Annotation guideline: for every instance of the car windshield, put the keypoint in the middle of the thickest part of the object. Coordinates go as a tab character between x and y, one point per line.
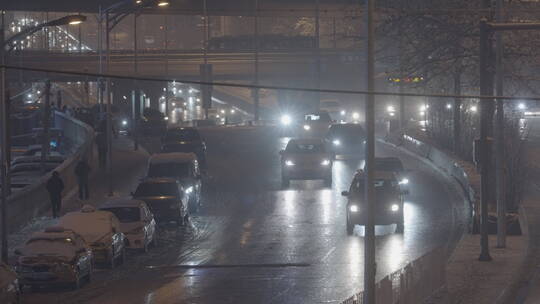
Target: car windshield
178	170
126	214
55	246
156	189
380	185
182	135
305	148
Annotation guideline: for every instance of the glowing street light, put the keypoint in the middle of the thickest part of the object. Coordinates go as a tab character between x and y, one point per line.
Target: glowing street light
522	106
163	3
448	106
474	109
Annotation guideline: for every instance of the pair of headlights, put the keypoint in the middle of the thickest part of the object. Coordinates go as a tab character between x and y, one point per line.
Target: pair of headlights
324	163
393	208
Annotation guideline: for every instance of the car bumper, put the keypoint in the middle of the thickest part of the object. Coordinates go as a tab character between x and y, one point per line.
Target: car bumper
45	278
348	149
381	218
135	241
307	173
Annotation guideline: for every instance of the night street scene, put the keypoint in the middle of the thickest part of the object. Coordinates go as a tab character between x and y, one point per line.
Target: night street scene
270	151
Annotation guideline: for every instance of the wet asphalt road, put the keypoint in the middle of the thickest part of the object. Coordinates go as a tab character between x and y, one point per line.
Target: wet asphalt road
261	244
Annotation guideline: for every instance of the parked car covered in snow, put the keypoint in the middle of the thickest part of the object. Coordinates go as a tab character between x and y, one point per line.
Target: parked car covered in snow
9	285
136	221
100	229
55	256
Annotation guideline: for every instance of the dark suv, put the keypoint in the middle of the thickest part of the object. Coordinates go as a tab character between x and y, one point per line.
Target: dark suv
165	197
185	140
388	204
343	139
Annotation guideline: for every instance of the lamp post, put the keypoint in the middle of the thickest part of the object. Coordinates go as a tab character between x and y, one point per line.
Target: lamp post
4	165
113	15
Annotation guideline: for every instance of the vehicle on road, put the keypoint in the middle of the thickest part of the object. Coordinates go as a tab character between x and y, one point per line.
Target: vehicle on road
306	159
55	159
315	125
185	140
136	221
388	204
166	198
9	285
183	167
54	256
100	229
346	139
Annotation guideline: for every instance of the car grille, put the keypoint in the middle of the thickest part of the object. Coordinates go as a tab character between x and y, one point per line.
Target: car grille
41	268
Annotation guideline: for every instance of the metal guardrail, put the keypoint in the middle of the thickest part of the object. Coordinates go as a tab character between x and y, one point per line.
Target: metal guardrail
32	201
411	285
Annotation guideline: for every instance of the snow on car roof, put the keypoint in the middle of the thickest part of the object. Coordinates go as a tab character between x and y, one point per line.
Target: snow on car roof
175	157
91	225
121	202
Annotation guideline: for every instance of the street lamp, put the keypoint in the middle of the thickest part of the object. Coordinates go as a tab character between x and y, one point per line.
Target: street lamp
71	19
163	3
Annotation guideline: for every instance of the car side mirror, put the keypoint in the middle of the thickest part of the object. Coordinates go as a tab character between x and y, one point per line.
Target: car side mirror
345	193
404	192
17	251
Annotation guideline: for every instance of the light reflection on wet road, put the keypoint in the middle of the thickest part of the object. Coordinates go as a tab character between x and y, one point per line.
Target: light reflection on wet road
270	245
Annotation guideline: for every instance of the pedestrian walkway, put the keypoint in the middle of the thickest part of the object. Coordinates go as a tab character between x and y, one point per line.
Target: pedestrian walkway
128	167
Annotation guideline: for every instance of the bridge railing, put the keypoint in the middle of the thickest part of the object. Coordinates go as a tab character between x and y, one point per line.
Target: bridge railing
33	200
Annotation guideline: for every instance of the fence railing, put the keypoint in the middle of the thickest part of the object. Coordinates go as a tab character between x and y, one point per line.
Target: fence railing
33	200
412	284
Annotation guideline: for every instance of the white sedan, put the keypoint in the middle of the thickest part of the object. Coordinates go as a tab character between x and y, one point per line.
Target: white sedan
136	221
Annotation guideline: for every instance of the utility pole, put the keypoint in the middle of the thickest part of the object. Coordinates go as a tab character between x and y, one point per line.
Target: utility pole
136	98
256	96
499	135
45	141
457	109
3	138
317	53
369	240
109	109
486	128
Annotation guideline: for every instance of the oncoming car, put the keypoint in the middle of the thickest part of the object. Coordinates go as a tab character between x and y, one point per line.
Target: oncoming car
388	201
346	139
306	159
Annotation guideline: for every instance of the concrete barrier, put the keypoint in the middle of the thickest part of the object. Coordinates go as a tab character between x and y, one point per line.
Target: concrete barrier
32	201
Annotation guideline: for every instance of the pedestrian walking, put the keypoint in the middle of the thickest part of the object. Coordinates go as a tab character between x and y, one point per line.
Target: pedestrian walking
55	185
82	171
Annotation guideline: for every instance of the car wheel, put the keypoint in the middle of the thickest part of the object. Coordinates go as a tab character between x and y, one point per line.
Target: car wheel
285	182
350	227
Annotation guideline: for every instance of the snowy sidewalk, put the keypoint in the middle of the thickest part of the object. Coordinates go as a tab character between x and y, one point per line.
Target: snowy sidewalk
128	167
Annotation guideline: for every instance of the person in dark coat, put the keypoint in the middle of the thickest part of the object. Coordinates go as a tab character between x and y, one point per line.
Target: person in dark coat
55	185
82	170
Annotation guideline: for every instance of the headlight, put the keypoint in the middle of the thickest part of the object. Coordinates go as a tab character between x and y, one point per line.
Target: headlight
286	120
394	207
189	190
353	208
124	122
166	117
336	142
355	115
343	113
307	127
289	163
404	181
325	162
